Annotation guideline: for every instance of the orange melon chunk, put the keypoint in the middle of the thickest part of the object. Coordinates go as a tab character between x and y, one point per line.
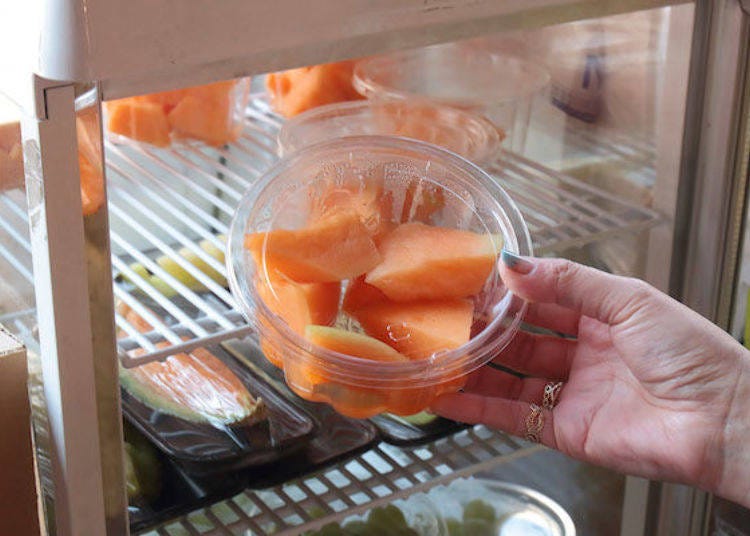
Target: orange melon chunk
360	295
422	262
296	90
92	186
351	343
335	248
141	121
418	330
300	304
207	120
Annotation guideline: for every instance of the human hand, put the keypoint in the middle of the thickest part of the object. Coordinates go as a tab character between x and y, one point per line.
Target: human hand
650	387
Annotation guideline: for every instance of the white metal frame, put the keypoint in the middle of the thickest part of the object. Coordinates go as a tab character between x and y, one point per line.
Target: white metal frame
88	473
77	326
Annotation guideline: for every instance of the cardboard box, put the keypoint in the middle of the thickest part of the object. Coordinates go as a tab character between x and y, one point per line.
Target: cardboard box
19	507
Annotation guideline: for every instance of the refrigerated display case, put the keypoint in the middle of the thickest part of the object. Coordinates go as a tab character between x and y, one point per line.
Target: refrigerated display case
634	159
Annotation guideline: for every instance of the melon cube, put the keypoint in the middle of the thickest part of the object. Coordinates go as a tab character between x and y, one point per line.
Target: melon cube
333	249
206	120
138	120
423	262
420	329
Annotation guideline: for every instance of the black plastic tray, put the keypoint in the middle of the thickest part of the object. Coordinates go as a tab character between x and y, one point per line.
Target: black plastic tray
392	429
338	437
404	434
181	494
202	449
184	491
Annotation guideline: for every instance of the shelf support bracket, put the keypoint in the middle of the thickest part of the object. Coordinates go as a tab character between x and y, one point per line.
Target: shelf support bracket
73	286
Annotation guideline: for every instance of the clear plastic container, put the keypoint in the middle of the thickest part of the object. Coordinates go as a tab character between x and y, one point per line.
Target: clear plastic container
464	133
466	507
400	170
212	114
501	87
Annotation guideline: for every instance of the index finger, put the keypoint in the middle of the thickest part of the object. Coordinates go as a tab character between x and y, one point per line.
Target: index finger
590	292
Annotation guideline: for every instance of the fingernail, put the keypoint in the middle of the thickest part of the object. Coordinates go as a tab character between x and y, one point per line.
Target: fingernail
518	264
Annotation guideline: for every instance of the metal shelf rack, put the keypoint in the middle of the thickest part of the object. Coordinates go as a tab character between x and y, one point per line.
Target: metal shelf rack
380	476
162	201
165	200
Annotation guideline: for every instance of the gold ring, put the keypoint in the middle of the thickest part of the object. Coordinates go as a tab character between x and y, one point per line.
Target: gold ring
551	394
534	424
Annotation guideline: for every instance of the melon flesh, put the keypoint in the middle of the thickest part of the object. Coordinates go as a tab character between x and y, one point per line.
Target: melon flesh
196	387
202	112
360	295
141	121
364	199
351	343
300	304
422	262
92	186
206	120
90	161
420	329
336	248
296	90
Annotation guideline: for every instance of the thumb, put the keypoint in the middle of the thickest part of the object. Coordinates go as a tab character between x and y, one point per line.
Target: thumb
590	292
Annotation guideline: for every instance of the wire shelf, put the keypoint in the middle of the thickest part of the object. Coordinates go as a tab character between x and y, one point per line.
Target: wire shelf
379	476
169	209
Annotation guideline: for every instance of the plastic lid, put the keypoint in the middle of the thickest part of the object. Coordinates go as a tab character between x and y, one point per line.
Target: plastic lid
473	201
452	73
464	133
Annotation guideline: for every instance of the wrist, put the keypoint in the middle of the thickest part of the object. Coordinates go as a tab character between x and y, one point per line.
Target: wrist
735	474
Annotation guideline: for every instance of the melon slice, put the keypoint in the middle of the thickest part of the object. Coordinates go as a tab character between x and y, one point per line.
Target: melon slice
196	387
422	262
300	304
335	248
296	90
351	343
167	99
206	120
141	121
359	295
92	186
418	330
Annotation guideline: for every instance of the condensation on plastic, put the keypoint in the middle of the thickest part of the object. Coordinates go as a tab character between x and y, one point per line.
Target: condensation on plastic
462	132
211	113
472	200
197	385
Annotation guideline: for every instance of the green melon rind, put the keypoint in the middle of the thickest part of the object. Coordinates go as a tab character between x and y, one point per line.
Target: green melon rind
253	413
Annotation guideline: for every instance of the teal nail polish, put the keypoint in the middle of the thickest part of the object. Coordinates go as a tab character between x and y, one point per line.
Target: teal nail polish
516	263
